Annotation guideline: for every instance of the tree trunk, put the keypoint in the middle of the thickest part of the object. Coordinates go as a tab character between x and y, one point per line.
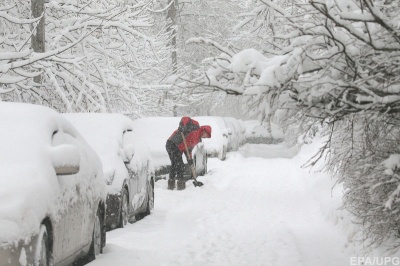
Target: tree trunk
38	38
172	28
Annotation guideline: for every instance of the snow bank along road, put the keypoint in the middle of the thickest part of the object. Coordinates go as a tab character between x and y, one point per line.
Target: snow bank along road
258	207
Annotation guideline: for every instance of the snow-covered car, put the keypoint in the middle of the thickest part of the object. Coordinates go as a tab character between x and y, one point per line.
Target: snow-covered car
127	165
237	131
52	191
217	145
156	130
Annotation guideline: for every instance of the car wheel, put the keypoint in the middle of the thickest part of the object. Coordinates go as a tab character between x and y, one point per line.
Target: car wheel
42	256
97	246
123	219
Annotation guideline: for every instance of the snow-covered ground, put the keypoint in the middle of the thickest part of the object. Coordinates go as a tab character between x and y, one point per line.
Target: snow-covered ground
259	207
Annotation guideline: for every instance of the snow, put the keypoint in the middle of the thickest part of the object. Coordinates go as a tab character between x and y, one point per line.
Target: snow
22	259
105	134
251	60
33	141
391	163
218	141
254	128
65	155
258	207
157	130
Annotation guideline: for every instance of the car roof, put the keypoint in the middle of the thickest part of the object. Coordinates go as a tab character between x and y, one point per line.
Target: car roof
27	129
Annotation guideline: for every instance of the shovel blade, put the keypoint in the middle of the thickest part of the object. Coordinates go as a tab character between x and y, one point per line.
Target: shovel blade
197	183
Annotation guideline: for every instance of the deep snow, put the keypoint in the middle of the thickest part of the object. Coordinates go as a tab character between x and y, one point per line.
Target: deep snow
259	207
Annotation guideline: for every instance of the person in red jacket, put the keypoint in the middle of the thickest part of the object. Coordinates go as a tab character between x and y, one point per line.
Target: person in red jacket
175	147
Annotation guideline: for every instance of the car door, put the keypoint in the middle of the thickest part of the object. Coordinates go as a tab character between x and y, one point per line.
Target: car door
70	232
137	171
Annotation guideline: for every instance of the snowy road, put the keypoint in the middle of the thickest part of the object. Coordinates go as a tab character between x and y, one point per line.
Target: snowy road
256	208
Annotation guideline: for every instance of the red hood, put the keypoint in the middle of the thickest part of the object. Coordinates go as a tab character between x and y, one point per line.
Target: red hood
206	129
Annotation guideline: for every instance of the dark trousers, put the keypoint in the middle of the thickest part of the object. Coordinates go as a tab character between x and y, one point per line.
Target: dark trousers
177	166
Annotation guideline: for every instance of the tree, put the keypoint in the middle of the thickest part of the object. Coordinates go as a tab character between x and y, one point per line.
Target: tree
199	19
38	38
172	28
101	56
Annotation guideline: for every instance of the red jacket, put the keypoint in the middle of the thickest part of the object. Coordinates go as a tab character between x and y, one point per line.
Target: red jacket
193	138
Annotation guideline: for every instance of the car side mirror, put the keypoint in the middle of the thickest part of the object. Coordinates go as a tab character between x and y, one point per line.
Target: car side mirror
127	153
65	159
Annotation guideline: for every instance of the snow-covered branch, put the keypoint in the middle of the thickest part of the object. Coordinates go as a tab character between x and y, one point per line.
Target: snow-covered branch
94	51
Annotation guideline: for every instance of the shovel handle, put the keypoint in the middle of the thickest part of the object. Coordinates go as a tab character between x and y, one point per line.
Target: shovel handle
188	156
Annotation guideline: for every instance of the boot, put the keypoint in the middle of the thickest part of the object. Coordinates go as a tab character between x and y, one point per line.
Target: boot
171	184
181	185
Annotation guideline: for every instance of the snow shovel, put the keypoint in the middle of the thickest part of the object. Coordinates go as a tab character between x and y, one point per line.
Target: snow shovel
195	182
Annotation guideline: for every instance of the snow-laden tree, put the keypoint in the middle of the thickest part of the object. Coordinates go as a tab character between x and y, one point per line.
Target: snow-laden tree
337	62
100	55
213	20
